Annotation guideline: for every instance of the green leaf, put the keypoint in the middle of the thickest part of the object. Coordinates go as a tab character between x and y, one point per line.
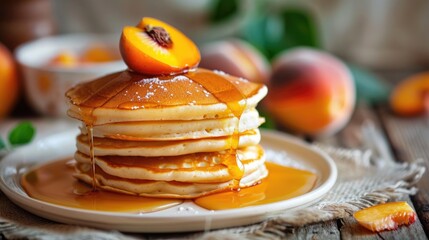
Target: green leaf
369	88
2	144
255	33
272	34
223	9
300	28
269	121
22	133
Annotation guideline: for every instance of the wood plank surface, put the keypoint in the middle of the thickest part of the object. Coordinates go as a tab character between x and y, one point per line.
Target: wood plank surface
365	130
410	141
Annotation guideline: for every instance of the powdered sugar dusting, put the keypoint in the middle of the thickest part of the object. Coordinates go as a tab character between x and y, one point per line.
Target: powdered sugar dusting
219	72
156	84
206	93
180	78
149	94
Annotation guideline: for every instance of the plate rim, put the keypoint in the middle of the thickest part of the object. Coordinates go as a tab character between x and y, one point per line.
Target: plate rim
260	210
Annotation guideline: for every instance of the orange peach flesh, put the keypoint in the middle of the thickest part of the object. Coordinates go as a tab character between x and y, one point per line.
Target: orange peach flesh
411	96
65	59
97	54
142	54
387	216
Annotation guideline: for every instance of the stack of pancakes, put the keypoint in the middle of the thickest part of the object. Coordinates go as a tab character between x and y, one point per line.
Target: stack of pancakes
179	136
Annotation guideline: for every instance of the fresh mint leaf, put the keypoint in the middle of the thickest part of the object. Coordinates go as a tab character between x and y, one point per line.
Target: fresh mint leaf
22	133
269	121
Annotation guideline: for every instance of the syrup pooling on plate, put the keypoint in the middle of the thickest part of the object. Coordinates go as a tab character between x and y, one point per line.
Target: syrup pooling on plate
54	183
281	184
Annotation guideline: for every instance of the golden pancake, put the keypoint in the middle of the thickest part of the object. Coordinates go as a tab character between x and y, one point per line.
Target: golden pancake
108	146
196	167
177	130
171	189
130	97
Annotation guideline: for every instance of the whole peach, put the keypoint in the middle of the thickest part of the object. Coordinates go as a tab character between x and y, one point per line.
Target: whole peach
8	81
310	92
235	57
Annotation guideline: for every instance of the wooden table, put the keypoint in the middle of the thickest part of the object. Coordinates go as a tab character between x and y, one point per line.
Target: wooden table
389	136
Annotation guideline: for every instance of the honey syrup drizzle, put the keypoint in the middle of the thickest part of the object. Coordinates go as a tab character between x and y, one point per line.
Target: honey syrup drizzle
89	118
90	130
226	92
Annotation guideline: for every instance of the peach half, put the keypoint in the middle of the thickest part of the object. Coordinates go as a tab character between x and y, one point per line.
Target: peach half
411	96
236	57
310	92
155	48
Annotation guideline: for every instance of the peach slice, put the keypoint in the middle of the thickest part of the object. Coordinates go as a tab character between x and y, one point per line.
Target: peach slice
387	216
154	47
411	96
65	59
98	54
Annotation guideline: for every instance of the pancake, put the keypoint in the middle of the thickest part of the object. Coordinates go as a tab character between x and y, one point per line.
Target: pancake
109	146
198	167
180	136
129	97
166	189
177	130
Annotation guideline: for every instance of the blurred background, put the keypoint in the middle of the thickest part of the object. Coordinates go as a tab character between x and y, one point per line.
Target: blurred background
378	43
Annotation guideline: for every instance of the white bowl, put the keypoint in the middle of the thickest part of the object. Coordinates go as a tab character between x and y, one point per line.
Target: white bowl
45	85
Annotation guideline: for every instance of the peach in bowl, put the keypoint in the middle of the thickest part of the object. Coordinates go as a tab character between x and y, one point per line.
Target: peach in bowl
50	66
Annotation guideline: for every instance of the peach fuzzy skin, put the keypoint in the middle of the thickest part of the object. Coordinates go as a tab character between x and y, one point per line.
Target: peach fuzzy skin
411	96
387	216
237	58
310	92
9	86
143	54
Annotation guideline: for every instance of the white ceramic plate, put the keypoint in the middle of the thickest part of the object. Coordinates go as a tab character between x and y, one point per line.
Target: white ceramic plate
184	217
